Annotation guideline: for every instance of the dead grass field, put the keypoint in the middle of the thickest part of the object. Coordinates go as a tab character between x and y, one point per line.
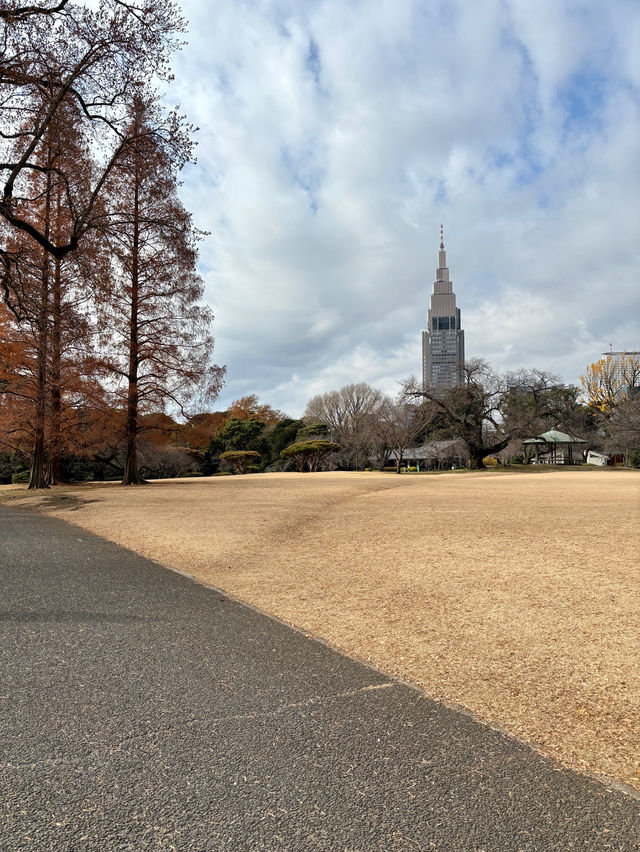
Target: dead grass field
513	595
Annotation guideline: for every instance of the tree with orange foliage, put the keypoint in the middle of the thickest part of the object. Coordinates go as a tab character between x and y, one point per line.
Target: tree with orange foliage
53	333
158	344
249	408
16	388
199	429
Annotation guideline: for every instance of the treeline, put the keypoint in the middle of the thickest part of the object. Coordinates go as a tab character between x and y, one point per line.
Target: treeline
358	427
101	322
168	448
487	416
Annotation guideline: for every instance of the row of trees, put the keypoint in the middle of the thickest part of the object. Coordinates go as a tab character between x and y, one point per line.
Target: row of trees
101	319
368	425
254	437
489	413
248	437
359	426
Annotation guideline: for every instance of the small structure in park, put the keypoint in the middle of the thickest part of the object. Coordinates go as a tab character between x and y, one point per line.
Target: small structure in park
435	455
599	459
554	447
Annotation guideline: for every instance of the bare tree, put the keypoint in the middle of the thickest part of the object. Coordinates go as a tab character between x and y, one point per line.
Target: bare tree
490	408
349	414
163	461
624	429
398	426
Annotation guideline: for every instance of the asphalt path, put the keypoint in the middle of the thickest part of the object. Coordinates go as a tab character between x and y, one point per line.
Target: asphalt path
143	711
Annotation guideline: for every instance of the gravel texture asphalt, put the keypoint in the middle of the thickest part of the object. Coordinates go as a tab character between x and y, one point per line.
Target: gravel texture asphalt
143	711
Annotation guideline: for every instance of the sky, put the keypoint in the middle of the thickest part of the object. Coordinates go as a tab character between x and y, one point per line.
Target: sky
335	136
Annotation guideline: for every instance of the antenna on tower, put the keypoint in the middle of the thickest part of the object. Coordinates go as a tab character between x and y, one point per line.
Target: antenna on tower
441	237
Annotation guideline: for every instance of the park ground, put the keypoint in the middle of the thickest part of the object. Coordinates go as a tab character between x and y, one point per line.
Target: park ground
513	595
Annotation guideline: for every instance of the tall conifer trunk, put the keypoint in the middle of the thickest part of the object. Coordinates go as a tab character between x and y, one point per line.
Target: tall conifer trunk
38	476
131	474
55	476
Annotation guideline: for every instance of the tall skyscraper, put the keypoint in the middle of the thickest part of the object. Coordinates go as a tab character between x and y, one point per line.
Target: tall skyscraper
443	338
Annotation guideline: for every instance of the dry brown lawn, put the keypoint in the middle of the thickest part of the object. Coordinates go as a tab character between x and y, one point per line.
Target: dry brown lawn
513	595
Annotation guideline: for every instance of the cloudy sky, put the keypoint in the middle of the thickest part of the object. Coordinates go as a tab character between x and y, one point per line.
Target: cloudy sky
337	135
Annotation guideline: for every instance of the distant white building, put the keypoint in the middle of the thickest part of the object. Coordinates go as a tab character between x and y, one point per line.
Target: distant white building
624	367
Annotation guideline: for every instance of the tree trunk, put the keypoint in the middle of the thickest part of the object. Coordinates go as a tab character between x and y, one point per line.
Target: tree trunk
38	475
476	455
55	380
55	477
131	473
478	451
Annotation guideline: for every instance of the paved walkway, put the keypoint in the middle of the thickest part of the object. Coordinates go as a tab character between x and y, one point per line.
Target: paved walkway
142	711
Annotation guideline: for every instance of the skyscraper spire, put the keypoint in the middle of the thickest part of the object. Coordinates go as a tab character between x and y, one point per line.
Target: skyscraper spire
443	338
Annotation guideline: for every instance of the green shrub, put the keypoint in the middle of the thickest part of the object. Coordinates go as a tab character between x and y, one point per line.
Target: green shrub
18	478
191	473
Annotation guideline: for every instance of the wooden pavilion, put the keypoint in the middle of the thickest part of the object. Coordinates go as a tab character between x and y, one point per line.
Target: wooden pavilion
554	447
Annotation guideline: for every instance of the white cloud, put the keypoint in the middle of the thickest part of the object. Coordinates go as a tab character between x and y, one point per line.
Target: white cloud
336	136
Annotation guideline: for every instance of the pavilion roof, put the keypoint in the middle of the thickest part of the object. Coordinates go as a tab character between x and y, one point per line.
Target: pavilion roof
553	436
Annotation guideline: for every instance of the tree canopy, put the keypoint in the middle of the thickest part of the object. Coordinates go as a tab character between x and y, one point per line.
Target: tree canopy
240	459
307	455
491	408
70	59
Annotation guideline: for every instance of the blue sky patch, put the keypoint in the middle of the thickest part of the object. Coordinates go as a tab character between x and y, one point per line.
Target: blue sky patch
304	173
581	100
313	61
